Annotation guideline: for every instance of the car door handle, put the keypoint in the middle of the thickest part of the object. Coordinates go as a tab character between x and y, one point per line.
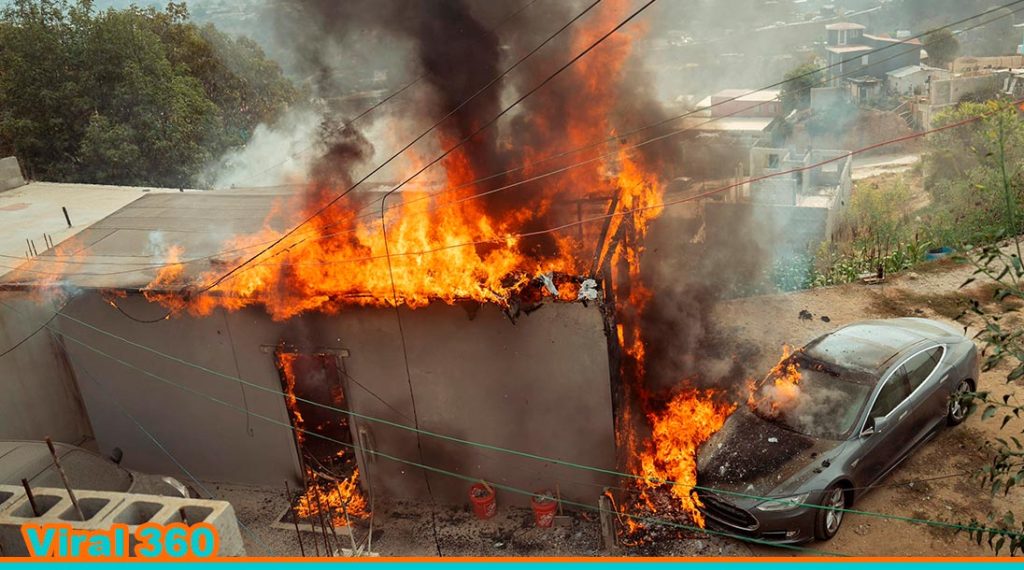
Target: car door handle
902	416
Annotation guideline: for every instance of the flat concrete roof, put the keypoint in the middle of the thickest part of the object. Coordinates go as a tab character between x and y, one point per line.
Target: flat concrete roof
763	95
129	232
848	49
844	26
27	212
909	41
728	124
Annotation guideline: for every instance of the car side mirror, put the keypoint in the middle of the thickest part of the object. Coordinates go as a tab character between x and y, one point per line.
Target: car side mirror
116	455
869	428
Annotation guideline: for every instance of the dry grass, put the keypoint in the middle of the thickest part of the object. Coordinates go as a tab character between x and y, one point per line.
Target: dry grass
950	304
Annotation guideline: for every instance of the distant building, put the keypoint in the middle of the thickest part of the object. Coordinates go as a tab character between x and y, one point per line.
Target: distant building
853	53
914	79
796	209
766	103
725	126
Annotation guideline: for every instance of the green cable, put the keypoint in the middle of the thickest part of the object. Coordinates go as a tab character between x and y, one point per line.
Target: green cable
512	451
429	467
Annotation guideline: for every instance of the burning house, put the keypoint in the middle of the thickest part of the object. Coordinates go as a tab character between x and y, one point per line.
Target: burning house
275	333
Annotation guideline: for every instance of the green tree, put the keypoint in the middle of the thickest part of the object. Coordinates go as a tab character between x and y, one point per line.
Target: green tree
796	91
942	47
135	96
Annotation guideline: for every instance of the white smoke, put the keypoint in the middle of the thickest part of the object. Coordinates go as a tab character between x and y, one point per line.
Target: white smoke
276	154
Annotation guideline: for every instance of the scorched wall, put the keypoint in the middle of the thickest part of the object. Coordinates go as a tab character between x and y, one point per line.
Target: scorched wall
541	386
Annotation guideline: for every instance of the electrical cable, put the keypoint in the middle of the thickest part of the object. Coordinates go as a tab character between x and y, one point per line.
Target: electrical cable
30	335
811	73
383	101
455	439
515	236
540	160
425	467
107	392
572	166
376	169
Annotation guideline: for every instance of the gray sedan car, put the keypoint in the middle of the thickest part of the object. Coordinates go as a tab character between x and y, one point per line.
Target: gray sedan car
868	395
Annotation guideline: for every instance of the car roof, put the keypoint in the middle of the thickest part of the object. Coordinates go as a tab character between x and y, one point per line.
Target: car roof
870	346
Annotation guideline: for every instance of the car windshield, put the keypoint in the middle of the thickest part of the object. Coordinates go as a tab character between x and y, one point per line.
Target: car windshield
811	398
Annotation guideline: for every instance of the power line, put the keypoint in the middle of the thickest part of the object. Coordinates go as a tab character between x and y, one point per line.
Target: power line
660	205
588	161
117	402
425	467
548	158
394	94
334	200
30	335
460	441
810	73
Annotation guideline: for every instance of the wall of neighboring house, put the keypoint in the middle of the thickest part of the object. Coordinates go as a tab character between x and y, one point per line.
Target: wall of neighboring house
541	385
944	94
968	64
38	395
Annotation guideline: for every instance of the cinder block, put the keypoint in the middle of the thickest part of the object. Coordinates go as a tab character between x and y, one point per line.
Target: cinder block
9	494
103	509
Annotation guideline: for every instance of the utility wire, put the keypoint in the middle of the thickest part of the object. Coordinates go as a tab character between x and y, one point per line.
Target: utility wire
451	438
425	467
152	438
540	160
585	162
503	239
376	169
30	335
394	94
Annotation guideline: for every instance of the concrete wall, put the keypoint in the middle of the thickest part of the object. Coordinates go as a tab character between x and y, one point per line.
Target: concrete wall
788	229
539	386
38	396
951	91
969	64
10	173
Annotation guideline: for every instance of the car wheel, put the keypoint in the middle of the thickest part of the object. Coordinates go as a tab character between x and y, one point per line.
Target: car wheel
957	407
829	519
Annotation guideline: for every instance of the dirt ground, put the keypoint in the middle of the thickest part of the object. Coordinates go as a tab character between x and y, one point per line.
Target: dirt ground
932	292
930	485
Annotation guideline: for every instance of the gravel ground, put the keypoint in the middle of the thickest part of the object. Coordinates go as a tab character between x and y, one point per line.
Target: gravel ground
404	529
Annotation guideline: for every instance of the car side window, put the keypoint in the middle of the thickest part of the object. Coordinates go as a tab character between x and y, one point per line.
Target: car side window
921	365
895	390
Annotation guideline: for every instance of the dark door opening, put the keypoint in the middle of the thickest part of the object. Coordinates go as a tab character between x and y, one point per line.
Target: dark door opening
323	435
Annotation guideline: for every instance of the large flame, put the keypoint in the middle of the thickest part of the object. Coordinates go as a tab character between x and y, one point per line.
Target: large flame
687	421
341	258
341	501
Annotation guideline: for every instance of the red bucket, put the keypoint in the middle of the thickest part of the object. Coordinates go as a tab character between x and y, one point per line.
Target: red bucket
544	507
483	499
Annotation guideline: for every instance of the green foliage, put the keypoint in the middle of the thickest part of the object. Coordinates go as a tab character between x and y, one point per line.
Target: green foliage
999	264
966	178
796	91
135	96
942	47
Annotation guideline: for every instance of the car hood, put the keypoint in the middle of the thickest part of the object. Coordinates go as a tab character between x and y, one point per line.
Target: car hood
751	455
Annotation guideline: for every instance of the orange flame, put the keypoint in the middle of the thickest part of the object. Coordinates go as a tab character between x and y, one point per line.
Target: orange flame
336	499
781	388
689	419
